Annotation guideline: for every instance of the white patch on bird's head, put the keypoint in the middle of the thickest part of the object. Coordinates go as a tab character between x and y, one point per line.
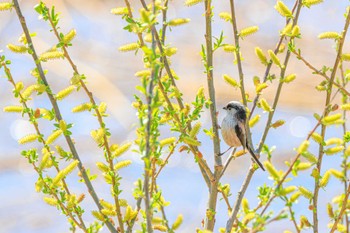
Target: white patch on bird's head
233	107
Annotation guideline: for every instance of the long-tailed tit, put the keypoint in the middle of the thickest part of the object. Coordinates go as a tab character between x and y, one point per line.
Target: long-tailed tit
233	128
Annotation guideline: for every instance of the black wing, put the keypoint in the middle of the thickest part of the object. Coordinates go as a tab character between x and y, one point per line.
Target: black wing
244	142
241	135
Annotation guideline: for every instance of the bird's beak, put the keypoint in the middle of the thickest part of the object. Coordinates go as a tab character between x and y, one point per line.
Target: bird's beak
224	108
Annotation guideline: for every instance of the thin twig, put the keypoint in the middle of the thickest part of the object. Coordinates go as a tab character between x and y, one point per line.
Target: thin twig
269	65
100	120
213	190
238	202
316	71
324	127
280	84
342	210
58	113
42	140
228	162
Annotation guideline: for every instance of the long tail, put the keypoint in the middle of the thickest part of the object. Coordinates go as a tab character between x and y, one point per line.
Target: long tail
255	158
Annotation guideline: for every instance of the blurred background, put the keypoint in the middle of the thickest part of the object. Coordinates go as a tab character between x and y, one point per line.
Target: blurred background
110	76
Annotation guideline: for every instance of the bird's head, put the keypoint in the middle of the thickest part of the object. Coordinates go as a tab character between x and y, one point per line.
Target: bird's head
236	109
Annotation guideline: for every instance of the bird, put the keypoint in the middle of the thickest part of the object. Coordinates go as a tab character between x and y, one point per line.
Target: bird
233	128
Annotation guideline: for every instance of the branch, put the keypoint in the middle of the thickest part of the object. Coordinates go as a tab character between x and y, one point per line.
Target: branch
323	129
213	190
238	202
58	113
316	71
342	210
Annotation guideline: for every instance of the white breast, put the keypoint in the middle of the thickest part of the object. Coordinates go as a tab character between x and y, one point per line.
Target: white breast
228	131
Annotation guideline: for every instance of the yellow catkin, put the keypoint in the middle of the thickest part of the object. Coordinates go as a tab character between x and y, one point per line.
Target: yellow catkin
4	6
230	80
102	108
129	47
51	201
283	9
121	150
192	2
296	31
17	48
295	196
288	190
143	73
178	22
303	147
225	16
248	31
304	221
325	179
229	48
337	174
167	141
27	139
260	87
178	222
345	57
305	192
248	218
107	205
239	153
329	35
286	31
102	167
44	161
272	170
309	3
81	198
316	137
51	55
29	90
245	205
330	210
289	78
310	157
119	11
195	129
69	36
345	107
123	203
278	123
170	51
65	92
64	172
331	118
259	53
122	164
191	141
161	228
53	137
254	120
13	109
332	141
82	107
274	58
265	106
157	220
97	215
19	86
334	150
303	166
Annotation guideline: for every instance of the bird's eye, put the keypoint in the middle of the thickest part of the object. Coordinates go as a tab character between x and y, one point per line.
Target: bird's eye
229	108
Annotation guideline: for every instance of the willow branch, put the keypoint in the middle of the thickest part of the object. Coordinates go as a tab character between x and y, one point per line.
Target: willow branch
57	112
323	129
342	210
317	71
